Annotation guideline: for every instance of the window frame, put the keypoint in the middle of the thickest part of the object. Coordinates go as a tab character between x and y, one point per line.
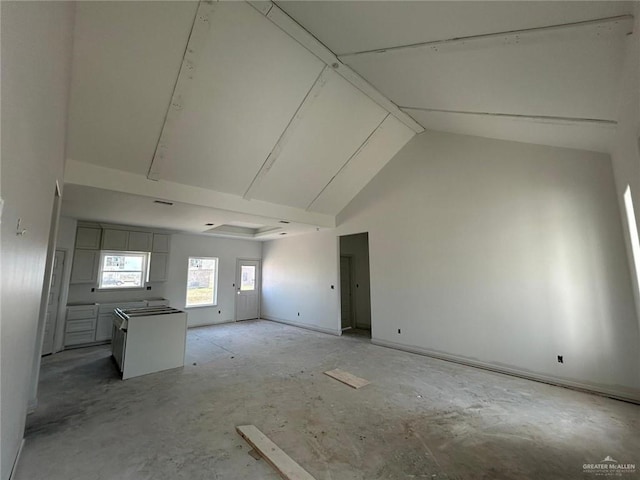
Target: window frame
146	263
214	300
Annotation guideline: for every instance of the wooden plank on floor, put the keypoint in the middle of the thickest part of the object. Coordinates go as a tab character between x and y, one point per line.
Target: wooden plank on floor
347	378
283	463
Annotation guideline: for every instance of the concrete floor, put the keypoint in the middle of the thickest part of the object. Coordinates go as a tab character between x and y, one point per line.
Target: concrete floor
419	418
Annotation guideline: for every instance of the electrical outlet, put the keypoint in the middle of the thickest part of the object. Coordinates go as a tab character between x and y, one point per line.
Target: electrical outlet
399	331
560	359
149	287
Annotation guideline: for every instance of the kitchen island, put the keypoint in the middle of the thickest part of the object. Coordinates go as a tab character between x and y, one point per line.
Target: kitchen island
148	340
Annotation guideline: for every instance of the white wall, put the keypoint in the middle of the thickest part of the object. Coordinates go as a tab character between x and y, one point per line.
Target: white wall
227	250
297	274
496	253
357	246
626	152
36	53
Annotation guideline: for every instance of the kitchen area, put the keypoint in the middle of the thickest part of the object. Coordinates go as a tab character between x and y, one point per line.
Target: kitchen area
111	298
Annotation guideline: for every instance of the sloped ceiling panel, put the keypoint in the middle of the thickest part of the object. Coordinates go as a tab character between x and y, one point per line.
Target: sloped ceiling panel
568	72
125	61
326	136
374	154
249	80
583	136
355	26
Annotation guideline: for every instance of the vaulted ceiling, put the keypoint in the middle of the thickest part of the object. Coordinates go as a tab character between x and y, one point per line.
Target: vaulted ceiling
254	113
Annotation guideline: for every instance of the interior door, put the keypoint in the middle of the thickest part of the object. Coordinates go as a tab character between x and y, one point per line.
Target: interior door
247	289
346	293
52	304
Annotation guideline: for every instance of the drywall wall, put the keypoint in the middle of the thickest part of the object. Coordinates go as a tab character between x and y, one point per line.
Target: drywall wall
227	251
357	246
35	83
625	154
297	276
496	253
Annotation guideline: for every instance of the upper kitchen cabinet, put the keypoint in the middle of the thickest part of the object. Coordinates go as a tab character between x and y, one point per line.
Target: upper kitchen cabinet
88	237
85	266
115	239
124	240
161	243
140	241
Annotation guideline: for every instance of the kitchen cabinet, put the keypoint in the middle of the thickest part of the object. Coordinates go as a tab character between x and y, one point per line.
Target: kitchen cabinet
140	241
115	239
88	237
161	243
80	326
104	327
158	267
125	240
85	266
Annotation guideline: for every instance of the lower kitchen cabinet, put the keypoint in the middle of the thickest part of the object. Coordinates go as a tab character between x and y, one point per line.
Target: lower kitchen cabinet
93	323
80	326
104	327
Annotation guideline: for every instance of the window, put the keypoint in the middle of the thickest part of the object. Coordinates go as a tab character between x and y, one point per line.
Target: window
202	280
633	231
123	269
248	278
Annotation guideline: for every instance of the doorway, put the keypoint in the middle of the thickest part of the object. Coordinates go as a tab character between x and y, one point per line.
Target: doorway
355	296
247	289
51	316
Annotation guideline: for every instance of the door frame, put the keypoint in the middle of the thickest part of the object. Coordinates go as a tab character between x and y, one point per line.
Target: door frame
55	327
44	296
237	282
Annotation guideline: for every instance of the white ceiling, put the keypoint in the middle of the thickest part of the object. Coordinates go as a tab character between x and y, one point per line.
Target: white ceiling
420	55
356	26
176	99
215	96
108	206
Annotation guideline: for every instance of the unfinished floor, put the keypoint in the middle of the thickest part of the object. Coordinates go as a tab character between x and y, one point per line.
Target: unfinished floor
419	418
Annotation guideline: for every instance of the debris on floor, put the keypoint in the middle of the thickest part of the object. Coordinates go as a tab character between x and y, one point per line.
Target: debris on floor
280	461
347	378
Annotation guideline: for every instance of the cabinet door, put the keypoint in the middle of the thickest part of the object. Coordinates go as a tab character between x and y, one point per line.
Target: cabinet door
85	266
105	327
140	241
158	267
161	243
115	239
88	237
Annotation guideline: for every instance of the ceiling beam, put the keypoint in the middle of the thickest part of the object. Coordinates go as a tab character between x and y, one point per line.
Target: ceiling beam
534	118
358	150
302	36
304	106
195	44
622	24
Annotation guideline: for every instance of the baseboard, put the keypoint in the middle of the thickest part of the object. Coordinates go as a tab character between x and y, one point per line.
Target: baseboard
210	324
16	460
303	325
548	379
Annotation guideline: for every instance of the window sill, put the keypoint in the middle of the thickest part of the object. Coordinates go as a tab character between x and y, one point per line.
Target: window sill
201	306
120	289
